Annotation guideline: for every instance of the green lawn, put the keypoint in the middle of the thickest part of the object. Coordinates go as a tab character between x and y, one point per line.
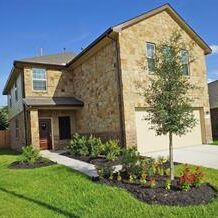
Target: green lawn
56	191
215	141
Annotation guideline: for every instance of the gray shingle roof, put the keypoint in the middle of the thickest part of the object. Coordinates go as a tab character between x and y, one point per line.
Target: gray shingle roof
55	101
213	94
58	59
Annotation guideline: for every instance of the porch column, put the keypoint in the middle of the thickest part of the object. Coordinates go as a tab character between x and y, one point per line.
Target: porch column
34	128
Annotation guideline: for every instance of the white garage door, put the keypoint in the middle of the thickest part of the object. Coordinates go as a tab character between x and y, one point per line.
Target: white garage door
148	141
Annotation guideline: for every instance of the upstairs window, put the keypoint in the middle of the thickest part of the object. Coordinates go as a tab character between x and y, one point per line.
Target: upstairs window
150	47
15	91
39	79
185	62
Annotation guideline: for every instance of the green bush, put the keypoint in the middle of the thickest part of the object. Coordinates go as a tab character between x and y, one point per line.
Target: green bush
106	172
29	154
95	146
78	145
112	149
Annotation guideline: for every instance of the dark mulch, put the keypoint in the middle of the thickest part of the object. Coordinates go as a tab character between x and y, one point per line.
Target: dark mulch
174	197
41	162
97	161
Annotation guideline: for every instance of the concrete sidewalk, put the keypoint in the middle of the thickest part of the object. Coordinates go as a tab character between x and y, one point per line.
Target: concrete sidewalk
200	155
83	167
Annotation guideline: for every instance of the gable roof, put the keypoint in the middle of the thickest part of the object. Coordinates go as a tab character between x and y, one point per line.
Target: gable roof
53	59
166	7
174	15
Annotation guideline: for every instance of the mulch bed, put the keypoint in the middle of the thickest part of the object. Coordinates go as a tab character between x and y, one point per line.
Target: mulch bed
173	197
98	161
41	162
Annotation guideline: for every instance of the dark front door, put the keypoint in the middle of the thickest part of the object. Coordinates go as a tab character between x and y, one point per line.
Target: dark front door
45	134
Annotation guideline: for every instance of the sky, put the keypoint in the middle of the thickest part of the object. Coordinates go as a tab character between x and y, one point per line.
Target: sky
28	25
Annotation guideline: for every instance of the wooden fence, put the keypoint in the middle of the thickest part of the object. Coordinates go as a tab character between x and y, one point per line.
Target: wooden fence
4	139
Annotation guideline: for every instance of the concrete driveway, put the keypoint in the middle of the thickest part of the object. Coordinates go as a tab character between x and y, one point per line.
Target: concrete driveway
201	155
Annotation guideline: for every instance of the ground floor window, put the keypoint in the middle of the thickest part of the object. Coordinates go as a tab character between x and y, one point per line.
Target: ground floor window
64	128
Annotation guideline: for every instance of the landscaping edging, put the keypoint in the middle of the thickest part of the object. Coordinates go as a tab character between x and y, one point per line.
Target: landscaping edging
173	197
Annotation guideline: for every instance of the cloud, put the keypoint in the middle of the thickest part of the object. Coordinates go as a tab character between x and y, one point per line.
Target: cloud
214	49
209	80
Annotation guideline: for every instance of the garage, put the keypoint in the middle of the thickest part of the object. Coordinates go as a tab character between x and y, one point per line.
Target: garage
148	141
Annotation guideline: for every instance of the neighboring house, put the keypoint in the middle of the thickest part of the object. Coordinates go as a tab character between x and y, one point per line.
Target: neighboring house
213	97
52	97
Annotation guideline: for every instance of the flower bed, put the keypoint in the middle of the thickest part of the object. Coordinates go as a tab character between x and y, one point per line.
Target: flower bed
175	196
30	159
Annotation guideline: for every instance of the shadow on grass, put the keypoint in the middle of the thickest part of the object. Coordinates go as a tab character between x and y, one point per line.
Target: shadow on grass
6	151
40	203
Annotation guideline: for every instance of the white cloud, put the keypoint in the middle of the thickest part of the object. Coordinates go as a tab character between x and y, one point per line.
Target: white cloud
209	80
214	49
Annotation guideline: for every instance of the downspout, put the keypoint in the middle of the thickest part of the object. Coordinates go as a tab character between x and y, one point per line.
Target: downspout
120	92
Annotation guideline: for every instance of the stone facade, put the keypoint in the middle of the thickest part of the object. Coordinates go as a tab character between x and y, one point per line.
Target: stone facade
132	43
95	83
105	80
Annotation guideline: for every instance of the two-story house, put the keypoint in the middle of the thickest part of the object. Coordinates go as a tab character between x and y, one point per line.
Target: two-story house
52	97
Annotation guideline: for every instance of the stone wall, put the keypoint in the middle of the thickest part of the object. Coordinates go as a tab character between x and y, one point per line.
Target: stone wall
59	83
132	42
95	83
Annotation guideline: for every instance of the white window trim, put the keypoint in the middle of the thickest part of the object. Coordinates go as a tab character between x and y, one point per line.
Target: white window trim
147	57
186	63
46	81
15	91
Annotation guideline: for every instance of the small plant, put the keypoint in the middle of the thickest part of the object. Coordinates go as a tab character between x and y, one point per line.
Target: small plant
152	183
29	154
95	146
111	175
112	149
105	172
119	178
168	184
191	178
79	145
160	169
132	178
143	179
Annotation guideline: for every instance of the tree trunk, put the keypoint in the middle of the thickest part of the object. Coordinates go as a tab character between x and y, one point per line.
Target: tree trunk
171	156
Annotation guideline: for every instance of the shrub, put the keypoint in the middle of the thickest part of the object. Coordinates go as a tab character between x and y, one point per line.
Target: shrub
168	184
78	145
95	146
191	178
29	154
131	162
106	172
112	149
152	183
160	168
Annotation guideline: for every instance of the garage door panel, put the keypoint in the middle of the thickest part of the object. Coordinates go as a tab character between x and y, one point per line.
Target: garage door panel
148	141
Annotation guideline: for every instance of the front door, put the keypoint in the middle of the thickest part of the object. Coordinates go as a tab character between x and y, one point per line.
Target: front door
45	134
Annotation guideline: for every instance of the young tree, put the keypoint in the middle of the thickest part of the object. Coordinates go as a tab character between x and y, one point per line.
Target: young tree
3	118
167	95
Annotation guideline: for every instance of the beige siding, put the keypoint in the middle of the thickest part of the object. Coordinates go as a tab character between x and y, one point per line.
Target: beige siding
132	42
17	106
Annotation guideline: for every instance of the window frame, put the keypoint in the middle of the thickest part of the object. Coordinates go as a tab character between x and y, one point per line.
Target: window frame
10	100
188	65
147	56
34	79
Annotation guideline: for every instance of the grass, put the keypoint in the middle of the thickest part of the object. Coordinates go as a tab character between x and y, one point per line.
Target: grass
215	141
57	191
